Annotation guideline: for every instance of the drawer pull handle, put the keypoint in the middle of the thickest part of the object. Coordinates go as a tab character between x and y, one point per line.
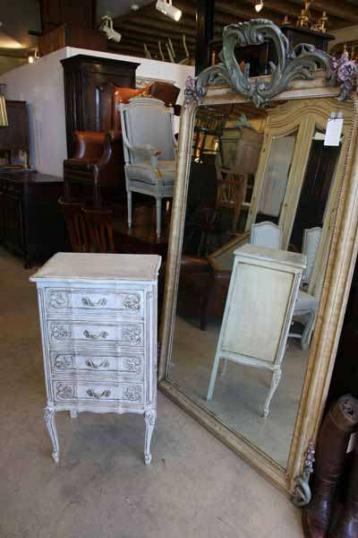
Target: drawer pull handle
91	364
91	336
98	396
86	301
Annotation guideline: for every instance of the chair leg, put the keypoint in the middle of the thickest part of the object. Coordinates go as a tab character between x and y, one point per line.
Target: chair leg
129	208
276	376
214	373
223	368
307	332
158	205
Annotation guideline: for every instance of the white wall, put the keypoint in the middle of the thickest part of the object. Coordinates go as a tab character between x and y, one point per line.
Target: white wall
41	86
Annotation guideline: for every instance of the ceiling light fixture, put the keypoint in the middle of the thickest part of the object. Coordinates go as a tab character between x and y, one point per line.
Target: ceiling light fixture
107	27
259	5
33	56
166	7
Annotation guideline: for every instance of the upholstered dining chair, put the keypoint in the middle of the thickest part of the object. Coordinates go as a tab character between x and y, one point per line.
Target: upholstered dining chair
149	151
307	301
311	239
266	234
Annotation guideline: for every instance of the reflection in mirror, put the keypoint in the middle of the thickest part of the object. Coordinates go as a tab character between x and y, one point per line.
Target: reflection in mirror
276	177
248	297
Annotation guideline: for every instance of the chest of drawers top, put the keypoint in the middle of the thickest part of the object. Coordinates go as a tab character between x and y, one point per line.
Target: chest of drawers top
98	268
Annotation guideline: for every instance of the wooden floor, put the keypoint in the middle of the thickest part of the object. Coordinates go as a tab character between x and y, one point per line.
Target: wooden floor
141	238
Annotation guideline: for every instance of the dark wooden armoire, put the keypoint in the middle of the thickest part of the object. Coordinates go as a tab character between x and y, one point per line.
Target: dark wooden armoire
88	82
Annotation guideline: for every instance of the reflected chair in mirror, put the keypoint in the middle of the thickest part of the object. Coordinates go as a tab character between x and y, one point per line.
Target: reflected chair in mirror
258	312
207	279
266	234
231	193
149	152
306	305
311	239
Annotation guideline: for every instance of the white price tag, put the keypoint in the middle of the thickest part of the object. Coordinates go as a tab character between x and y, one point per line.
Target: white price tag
352	442
333	132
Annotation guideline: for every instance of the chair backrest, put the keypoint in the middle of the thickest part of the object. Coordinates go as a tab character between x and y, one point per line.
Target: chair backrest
89	230
76	225
146	120
266	234
121	95
88	145
311	239
100	229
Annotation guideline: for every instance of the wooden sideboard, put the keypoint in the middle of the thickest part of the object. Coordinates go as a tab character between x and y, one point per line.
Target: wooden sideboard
31	223
89	82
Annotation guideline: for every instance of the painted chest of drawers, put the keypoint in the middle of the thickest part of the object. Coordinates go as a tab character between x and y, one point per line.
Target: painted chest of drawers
98	315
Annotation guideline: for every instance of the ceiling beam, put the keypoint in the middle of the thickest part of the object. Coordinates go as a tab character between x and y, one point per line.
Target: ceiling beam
148	33
154	49
155	25
232	9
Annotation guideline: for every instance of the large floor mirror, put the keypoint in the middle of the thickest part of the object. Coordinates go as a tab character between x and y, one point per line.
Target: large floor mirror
257	216
263	178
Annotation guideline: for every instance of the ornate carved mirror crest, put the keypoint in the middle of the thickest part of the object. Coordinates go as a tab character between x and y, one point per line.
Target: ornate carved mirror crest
299	63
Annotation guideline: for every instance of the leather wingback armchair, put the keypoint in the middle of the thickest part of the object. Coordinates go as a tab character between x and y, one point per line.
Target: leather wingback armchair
96	167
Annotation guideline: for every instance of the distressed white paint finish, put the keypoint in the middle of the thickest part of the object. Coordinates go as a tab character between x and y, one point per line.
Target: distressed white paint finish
98	315
258	311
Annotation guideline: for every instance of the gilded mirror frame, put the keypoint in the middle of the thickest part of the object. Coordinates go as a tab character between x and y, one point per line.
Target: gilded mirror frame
336	286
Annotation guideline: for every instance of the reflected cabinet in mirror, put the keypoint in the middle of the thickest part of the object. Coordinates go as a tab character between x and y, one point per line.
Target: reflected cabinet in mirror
261	251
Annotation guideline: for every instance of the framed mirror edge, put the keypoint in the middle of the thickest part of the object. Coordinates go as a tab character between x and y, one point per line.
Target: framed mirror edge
335	293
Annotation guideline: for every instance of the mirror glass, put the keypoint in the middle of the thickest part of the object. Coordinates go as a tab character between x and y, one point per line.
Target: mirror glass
275	177
252	265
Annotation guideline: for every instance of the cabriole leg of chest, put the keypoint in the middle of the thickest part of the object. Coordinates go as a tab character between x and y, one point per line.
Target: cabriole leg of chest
149	417
49	417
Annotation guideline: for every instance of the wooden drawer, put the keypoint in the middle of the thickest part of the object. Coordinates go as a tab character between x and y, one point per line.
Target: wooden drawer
125	365
93	391
64	335
94	301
